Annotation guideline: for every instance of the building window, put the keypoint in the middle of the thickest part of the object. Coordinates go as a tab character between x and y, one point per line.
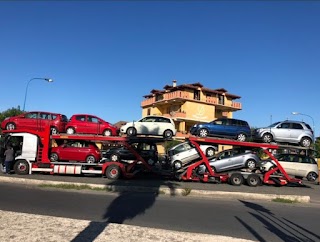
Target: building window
149	111
221	99
196	95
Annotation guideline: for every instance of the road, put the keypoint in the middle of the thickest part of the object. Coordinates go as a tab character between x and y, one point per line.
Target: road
262	221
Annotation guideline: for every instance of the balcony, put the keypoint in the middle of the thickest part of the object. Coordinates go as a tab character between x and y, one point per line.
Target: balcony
175	115
188	96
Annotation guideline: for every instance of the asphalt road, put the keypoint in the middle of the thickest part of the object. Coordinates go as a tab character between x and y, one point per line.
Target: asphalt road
262	221
311	189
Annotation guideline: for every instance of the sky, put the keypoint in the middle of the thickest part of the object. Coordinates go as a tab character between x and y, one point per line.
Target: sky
104	56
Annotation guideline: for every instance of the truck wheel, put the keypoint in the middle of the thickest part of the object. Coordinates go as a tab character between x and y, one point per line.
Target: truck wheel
253	180
21	167
113	172
236	179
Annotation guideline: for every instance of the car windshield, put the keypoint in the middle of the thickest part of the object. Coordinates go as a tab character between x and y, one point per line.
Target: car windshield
273	125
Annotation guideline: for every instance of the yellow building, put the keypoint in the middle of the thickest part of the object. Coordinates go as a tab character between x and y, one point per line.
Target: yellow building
188	104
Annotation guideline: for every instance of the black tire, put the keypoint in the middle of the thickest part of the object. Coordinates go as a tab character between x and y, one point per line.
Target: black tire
241	137
267	138
167	134
312	176
131	131
11	126
114	157
113	172
54	157
253	180
236	179
251	164
213	169
21	167
70	130
203	133
210	152
177	165
54	130
91	159
107	132
305	142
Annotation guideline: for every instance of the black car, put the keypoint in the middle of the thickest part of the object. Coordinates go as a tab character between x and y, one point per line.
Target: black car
148	151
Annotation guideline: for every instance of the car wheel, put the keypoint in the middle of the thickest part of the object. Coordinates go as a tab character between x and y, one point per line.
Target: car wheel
236	179
10	126
267	138
177	165
90	159
312	176
210	152
70	130
305	142
253	180
213	169
54	130
21	167
54	157
131	131
113	172
203	133
251	164
241	137
107	132
115	157
167	134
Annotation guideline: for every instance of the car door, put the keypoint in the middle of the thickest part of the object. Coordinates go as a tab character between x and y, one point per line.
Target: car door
92	125
80	122
223	161
69	151
30	121
282	132
147	126
295	132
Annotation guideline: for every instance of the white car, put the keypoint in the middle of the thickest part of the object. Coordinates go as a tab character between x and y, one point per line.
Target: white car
295	165
150	125
184	153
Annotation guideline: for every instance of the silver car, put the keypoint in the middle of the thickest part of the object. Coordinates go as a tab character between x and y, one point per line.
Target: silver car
184	153
287	132
233	159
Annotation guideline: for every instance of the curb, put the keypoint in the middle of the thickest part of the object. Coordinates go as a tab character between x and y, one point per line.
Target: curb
165	190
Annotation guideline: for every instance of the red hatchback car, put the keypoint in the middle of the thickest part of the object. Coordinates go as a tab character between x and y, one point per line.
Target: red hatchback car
90	124
36	120
82	151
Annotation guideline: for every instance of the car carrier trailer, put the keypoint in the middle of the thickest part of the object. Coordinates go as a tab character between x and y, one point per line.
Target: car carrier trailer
36	146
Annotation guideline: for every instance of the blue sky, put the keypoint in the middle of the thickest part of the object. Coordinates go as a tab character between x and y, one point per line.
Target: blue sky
104	56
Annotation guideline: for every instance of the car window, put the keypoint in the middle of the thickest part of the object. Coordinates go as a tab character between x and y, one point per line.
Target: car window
179	149
44	116
163	120
297	126
64	118
284	126
31	115
81	118
93	119
54	116
148	119
308	126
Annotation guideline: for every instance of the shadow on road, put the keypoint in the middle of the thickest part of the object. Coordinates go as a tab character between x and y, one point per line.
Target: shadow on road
283	228
126	205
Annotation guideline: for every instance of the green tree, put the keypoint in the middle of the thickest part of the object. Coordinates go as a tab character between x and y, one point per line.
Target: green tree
317	147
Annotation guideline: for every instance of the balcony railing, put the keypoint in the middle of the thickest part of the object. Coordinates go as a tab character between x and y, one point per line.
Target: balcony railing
186	96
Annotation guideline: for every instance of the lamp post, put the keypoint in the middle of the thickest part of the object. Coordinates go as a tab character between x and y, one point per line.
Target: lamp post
36	78
314	131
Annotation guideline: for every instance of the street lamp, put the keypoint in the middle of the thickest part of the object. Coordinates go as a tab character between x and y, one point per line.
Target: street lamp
36	78
297	113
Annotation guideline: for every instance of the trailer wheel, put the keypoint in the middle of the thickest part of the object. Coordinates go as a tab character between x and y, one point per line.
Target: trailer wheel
253	180
21	167
113	172
236	179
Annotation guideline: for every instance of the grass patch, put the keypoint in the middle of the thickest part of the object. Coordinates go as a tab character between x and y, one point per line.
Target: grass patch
284	200
73	187
186	191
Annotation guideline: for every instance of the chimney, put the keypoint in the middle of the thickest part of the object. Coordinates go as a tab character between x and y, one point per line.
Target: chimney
174	83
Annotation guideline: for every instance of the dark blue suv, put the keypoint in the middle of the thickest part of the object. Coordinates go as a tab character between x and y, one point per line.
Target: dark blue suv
223	127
